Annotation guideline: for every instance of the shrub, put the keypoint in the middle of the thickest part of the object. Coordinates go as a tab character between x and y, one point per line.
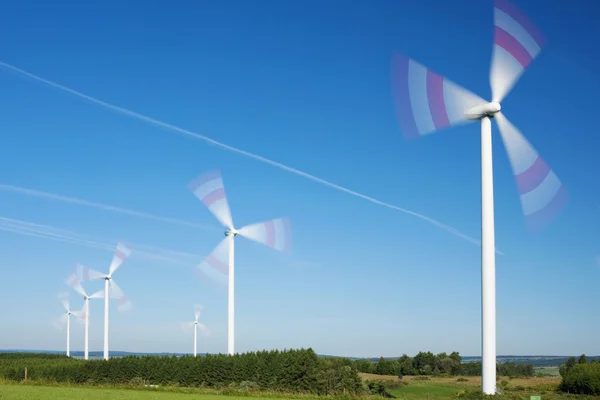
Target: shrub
582	379
137	382
248	386
476	394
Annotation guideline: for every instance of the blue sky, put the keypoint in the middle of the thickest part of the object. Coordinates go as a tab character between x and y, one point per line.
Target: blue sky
306	84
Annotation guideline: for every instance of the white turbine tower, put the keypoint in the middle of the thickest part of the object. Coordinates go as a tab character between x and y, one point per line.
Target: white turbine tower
427	102
74	282
111	289
196	325
220	263
65	319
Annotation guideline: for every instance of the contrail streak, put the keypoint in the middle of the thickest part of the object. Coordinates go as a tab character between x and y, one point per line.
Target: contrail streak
73	200
49	232
240	151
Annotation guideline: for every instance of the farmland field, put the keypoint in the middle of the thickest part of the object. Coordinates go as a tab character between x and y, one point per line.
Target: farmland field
442	388
470	380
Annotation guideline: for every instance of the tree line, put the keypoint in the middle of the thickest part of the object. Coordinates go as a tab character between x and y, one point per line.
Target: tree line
298	371
427	363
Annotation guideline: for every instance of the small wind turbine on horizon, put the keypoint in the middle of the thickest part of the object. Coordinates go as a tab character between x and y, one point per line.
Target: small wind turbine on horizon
74	283
427	102
111	289
65	319
275	234
196	325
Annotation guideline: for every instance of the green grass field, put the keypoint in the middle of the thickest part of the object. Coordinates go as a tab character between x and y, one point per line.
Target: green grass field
32	392
414	391
425	391
553	371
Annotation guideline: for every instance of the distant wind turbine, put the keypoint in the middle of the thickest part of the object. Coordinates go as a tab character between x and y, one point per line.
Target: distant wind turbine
123	303
275	234
65	319
74	283
196	325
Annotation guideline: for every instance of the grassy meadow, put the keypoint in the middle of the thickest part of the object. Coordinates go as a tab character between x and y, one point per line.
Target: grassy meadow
443	388
35	392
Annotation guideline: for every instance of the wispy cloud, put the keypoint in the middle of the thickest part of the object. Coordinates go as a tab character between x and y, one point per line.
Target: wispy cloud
61	235
105	207
265	160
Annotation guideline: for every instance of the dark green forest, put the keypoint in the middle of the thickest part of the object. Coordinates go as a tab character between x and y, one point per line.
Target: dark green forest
427	363
300	371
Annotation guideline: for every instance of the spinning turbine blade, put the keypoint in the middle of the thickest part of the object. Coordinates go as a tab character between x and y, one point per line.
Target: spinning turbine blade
87	274
63	297
73	282
197	310
216	265
121	254
186	326
210	190
60	322
275	233
204	330
425	101
542	194
123	303
80	315
517	41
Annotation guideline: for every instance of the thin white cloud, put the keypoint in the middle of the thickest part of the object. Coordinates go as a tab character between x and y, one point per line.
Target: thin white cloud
73	200
214	142
31	229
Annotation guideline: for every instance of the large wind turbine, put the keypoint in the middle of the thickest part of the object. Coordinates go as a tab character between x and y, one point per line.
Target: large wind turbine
65	319
427	102
110	287
74	282
275	234
196	325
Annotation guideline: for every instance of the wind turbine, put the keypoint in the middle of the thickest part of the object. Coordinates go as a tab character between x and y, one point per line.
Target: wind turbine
196	325
427	102
220	263
66	318
110	287
74	283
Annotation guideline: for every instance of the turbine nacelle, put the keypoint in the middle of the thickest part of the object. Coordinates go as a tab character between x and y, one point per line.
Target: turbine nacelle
483	110
230	232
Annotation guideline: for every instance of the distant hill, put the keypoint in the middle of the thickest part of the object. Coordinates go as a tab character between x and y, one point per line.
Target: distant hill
537	361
